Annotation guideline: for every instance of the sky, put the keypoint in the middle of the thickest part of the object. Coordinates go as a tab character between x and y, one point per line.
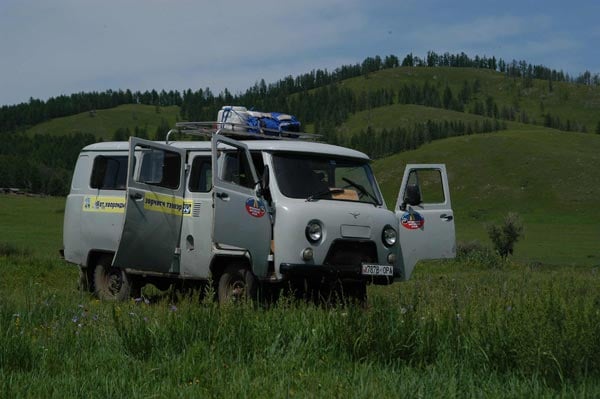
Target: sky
54	47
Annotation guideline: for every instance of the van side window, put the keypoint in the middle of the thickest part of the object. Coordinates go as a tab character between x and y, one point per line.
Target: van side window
201	175
160	168
109	172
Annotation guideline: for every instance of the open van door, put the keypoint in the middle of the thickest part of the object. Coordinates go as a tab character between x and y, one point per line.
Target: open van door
154	208
424	212
241	218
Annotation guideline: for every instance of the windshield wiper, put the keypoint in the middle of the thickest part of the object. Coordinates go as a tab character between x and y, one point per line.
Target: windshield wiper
324	193
361	189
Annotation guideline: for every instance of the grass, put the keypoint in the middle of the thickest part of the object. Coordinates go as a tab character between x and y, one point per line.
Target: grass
404	115
105	122
456	329
31	224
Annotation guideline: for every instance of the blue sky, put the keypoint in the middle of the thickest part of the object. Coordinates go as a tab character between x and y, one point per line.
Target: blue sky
49	48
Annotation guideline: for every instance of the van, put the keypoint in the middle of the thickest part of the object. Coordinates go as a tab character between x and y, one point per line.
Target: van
249	213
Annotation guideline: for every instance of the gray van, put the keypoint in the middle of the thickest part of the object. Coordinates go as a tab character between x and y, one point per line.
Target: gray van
248	215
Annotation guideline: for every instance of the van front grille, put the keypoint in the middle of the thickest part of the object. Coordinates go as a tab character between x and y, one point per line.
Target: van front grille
350	254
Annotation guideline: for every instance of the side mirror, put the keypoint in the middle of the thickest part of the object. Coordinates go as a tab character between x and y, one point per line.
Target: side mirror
412	196
263	189
264	181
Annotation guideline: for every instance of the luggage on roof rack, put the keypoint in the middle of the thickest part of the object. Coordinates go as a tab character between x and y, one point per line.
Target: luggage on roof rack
238	117
239	121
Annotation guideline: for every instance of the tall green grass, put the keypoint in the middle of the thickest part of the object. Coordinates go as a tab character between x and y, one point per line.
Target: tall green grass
456	329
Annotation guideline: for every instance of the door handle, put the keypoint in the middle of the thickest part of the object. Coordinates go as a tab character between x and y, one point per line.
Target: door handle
136	196
223	196
446	218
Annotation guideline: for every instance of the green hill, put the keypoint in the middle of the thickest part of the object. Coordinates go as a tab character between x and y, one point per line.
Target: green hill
550	178
103	123
538	98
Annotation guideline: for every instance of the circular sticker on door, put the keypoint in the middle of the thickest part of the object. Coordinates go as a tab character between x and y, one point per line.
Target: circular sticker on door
255	207
412	220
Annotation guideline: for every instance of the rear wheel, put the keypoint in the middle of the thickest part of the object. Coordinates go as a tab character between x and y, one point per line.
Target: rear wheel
237	284
111	283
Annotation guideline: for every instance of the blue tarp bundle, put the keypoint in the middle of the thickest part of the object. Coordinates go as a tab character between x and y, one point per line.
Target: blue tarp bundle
272	122
269	123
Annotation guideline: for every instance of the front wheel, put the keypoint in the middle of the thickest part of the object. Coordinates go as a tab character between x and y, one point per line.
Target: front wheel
236	285
111	283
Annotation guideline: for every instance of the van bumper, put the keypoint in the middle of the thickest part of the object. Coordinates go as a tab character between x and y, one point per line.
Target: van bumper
328	272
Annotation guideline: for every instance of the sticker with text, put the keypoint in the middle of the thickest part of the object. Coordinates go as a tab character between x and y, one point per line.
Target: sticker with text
412	220
255	207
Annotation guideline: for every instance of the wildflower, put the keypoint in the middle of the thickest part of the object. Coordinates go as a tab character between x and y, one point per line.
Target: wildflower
75	319
173	308
458	317
95	317
403	310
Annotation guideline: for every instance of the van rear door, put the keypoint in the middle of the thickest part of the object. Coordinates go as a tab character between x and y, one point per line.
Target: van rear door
154	209
241	218
424	212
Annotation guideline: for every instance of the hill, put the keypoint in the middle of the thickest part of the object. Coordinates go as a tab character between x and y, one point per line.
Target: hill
550	178
104	123
526	100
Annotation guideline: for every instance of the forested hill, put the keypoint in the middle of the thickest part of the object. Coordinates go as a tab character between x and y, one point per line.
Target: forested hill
380	106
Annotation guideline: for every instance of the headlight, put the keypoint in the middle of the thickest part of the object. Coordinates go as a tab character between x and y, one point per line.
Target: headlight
314	231
389	236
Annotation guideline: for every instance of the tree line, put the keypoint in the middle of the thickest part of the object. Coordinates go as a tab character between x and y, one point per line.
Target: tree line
41	163
202	104
384	142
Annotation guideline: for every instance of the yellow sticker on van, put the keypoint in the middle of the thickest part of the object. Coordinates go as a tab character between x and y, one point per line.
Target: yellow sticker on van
94	203
163	203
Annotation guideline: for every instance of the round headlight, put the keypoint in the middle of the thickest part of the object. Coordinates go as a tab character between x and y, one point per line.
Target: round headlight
389	236
314	232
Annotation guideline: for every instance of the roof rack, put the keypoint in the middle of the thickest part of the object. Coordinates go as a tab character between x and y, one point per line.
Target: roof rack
208	129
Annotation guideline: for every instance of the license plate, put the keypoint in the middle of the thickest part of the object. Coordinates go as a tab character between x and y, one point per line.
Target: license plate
377	270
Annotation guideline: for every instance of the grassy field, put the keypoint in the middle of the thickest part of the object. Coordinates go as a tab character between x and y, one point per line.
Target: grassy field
105	122
457	329
32	224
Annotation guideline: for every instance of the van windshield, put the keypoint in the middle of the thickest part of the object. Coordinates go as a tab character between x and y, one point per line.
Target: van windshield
329	178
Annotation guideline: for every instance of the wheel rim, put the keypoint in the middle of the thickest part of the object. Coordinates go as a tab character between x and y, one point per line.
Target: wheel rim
115	281
237	290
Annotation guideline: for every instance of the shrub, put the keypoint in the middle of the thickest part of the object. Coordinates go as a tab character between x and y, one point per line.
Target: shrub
505	236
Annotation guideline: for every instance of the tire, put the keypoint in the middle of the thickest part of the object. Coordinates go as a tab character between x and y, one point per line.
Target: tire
236	285
111	283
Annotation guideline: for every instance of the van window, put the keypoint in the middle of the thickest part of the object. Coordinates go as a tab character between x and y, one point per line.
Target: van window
201	175
325	178
236	169
160	168
109	172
